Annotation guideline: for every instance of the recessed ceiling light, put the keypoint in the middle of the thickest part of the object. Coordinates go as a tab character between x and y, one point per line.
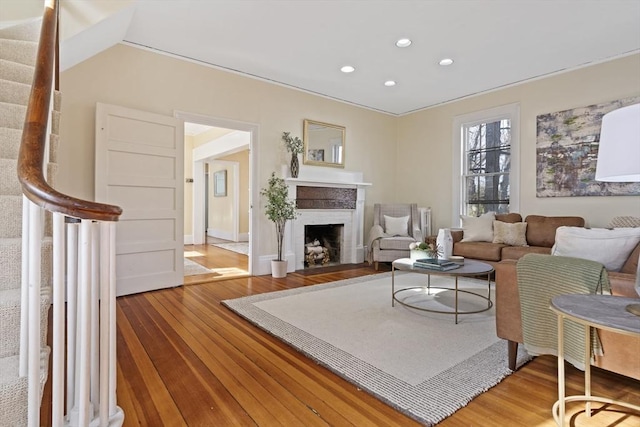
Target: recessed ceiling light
390	83
347	69
403	43
446	61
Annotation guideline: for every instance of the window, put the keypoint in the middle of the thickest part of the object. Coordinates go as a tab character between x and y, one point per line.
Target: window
485	152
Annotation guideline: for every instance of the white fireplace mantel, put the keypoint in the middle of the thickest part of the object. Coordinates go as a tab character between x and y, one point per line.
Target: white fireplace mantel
353	219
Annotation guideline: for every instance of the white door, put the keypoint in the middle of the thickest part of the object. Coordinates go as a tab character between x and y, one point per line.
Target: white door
140	167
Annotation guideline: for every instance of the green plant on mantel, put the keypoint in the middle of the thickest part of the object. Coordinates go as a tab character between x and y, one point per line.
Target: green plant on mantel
279	208
294	145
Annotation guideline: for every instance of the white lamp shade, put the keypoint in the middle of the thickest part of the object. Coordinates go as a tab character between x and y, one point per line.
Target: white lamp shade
619	149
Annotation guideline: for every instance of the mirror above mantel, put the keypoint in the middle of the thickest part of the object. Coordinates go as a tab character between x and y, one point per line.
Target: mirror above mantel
323	144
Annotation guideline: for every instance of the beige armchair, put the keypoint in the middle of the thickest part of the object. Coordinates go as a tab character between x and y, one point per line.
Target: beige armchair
395	227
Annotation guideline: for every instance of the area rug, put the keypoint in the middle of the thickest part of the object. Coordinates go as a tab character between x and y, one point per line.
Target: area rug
420	363
239	247
192	268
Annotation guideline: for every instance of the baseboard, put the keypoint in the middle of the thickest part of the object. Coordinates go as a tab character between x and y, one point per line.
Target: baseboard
188	239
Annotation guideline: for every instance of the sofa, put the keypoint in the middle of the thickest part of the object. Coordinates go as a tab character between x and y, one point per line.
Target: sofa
621	351
540	237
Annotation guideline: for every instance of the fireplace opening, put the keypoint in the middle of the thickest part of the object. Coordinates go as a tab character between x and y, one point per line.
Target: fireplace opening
322	245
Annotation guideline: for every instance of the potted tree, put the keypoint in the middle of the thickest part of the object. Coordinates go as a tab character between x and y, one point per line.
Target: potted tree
279	209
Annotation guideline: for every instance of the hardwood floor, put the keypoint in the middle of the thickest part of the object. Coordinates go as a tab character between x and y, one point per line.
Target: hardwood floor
186	360
225	264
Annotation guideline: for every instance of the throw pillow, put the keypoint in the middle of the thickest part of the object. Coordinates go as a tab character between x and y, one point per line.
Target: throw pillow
610	247
396	226
478	229
514	234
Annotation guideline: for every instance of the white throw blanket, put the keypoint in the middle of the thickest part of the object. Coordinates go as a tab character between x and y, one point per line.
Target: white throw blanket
376	233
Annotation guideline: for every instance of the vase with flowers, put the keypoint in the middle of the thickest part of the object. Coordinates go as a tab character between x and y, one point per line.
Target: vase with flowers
421	250
294	145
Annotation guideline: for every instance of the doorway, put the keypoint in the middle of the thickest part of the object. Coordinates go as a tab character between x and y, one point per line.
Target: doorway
219	163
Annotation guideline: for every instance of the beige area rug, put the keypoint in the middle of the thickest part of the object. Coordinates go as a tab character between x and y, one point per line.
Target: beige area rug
422	364
238	247
192	268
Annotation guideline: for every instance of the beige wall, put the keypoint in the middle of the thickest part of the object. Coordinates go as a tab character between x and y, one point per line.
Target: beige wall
188	186
425	141
139	79
221	214
17	10
242	158
222	209
210	135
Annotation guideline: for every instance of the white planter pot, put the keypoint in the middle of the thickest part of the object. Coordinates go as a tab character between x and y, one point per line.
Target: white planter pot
278	269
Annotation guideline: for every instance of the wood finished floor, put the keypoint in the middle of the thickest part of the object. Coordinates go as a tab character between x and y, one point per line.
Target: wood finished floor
186	360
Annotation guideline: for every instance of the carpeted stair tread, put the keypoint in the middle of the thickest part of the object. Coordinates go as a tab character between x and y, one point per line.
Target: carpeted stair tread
10	216
52	175
10	319
10	143
54	144
13	389
12	115
55	122
9	184
57	100
20	51
26	30
11	262
16	72
14	92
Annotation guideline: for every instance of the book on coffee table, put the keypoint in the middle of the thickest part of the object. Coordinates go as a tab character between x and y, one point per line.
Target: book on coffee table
435	264
434	261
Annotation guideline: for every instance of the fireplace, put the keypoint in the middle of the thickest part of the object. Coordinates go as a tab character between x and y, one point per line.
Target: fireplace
322	245
326	198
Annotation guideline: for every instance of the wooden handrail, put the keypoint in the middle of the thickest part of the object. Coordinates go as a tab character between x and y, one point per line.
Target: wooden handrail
32	148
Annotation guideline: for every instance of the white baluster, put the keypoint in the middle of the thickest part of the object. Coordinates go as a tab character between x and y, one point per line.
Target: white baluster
84	303
35	245
24	290
95	296
57	390
72	312
114	410
105	308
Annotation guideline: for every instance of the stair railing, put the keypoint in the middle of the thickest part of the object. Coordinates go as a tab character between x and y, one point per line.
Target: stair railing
83	371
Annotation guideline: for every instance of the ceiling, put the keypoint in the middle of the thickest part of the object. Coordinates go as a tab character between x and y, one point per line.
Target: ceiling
302	44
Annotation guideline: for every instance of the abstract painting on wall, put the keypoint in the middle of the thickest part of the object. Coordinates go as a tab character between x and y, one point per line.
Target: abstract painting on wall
567	150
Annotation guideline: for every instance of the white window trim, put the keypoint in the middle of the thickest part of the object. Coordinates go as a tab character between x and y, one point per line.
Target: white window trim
509	111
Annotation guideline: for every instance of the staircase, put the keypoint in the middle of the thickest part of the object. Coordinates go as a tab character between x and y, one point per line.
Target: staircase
57	253
18	46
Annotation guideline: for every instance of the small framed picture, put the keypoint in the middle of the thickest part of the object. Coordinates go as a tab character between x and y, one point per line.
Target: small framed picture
317	155
220	183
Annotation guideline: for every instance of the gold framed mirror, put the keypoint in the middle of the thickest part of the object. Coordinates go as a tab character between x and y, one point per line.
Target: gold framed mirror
323	144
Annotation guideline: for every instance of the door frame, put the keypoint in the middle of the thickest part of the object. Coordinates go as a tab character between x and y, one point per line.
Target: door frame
198	170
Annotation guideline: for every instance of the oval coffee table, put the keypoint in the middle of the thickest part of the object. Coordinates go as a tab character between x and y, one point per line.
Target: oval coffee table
469	268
